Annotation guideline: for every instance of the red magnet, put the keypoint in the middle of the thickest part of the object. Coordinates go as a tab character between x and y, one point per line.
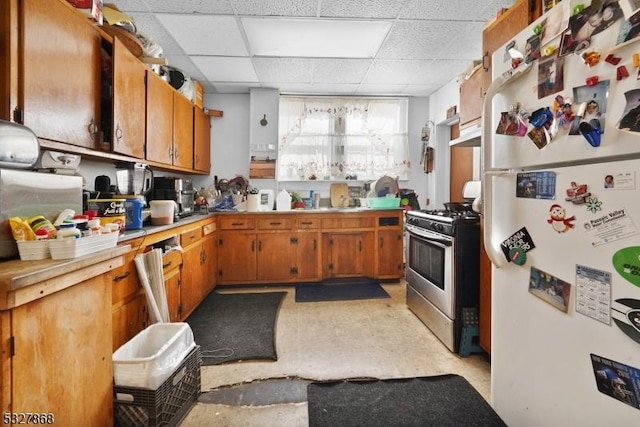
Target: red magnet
621	72
614	60
592	81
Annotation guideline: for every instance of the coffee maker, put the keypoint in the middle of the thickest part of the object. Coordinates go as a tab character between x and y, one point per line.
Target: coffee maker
177	189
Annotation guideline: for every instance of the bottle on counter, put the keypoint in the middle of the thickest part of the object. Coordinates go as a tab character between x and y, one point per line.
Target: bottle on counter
39	224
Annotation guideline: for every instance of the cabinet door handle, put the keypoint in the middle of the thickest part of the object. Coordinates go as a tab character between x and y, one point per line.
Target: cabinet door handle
118	133
315	245
259	245
167	264
381	242
121	277
307	222
485	64
236	224
275	223
360	246
92	128
253	246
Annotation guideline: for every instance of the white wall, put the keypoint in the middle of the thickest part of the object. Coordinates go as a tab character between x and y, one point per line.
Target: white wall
230	151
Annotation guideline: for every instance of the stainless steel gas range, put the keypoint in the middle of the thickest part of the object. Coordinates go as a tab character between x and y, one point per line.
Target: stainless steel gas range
442	269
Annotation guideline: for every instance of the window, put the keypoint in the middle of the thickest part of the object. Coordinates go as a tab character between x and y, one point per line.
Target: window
327	138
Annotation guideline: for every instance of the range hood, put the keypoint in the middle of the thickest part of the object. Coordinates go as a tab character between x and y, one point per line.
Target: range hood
469	137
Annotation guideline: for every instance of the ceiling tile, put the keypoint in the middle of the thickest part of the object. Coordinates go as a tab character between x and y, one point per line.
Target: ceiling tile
317	89
225	69
413	71
221	7
442	10
314	37
420	90
380	89
340	70
275	7
424	40
133	5
362	8
205	35
284	70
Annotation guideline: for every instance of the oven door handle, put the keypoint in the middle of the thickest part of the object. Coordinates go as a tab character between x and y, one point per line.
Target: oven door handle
435	238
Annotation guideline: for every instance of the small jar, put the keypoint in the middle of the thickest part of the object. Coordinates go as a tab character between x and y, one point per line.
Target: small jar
39	222
68	229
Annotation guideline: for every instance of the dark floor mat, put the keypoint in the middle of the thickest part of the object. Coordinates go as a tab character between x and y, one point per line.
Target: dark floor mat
232	327
443	400
340	290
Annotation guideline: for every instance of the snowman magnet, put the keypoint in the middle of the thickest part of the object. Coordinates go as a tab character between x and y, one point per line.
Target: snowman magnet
559	220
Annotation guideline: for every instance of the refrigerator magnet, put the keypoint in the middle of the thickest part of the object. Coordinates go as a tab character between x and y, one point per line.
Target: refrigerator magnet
559	220
516	246
626	261
625	313
577	193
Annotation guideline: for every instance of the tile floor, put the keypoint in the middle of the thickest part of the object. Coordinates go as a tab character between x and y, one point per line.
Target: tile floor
379	338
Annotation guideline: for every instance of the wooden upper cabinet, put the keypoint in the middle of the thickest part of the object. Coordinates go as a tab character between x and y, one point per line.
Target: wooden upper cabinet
60	73
159	120
182	131
505	27
201	141
129	92
471	98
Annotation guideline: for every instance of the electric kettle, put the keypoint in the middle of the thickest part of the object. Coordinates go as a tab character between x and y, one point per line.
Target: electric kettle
134	178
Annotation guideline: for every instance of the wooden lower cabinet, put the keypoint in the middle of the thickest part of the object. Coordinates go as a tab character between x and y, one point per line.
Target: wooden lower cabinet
389	263
55	359
236	257
346	254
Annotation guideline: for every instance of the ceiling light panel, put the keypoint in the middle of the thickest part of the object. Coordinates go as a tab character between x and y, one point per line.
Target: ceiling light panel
314	37
225	69
205	35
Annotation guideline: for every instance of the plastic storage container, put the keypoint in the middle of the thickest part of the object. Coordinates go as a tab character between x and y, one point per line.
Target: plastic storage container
150	357
72	248
162	211
133	208
33	249
383	202
167	405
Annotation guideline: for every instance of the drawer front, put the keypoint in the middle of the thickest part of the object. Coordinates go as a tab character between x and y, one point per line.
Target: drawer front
274	224
348	222
236	223
208	229
124	280
171	261
190	236
307	223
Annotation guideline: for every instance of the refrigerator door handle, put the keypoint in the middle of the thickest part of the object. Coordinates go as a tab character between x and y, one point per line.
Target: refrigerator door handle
493	250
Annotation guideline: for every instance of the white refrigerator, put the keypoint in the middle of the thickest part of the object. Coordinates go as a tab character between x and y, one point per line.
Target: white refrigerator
561	212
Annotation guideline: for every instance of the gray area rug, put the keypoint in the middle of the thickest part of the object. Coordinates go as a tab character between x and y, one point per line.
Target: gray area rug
340	290
443	400
232	327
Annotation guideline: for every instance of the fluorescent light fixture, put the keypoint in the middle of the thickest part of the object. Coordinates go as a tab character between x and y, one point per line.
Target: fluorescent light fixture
317	38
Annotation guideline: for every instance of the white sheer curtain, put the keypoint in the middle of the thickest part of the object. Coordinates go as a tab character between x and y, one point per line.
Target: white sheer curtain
335	138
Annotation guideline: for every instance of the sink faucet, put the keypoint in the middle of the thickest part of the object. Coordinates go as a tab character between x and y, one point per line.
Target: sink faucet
343	199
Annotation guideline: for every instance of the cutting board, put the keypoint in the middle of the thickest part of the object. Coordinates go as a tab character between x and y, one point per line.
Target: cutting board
339	191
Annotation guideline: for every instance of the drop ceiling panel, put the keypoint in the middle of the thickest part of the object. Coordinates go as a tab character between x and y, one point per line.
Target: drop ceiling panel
218	7
340	70
275	7
314	38
148	25
284	70
362	8
234	87
413	71
381	89
205	35
225	69
424	40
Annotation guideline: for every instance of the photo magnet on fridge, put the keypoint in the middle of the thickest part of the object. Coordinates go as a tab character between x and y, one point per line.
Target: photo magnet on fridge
617	380
625	312
550	289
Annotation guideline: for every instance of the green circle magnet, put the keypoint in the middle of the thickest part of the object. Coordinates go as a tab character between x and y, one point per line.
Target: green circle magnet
627	263
518	255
